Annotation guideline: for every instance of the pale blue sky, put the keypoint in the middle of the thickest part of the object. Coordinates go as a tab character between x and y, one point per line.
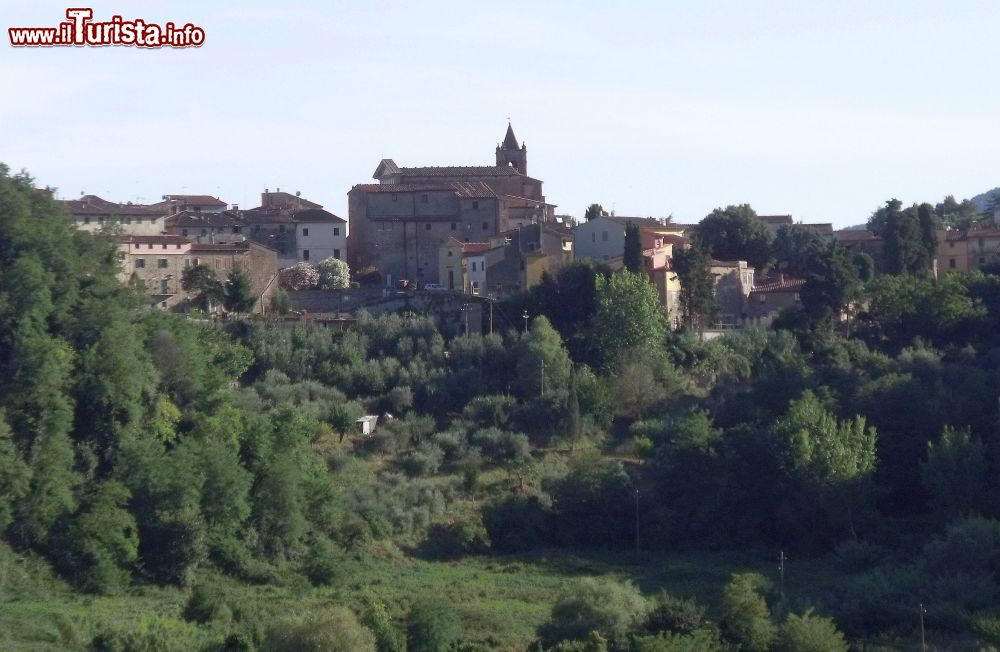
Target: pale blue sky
819	109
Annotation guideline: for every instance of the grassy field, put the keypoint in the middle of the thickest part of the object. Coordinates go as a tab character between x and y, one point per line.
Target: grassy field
501	600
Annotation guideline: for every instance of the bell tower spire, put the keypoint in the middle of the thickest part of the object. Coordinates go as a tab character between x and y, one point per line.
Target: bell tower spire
510	153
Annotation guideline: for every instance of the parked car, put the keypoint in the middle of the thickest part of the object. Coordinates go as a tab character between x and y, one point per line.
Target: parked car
434	287
403	284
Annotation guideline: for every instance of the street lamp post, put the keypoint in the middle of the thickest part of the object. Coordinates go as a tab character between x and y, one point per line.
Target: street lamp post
525	315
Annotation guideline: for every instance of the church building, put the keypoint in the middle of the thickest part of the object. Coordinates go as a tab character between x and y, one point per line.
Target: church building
398	225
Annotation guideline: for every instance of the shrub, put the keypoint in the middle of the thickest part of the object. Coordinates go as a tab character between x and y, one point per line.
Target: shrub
206	604
432	626
425	460
613	609
387	637
323	563
809	633
673	614
701	640
745	617
516	524
642	447
333	274
299	276
333	630
856	556
463	536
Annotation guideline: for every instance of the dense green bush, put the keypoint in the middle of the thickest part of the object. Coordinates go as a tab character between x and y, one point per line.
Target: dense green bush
746	619
613	609
809	633
454	539
672	614
330	630
432	626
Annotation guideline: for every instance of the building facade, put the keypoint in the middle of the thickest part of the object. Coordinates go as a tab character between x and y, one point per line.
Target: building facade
397	226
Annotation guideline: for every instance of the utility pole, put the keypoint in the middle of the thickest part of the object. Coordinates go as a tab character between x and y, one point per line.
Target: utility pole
637	520
923	638
525	316
465	309
543	377
781	575
490	300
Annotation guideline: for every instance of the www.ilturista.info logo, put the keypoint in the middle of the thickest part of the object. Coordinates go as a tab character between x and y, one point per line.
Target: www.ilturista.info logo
80	30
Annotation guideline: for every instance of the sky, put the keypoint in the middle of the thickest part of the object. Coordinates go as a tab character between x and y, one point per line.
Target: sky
819	109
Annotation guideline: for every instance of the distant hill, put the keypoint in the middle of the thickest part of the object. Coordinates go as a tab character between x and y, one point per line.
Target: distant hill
983	200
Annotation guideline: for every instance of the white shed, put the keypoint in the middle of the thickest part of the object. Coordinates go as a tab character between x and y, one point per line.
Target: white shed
366	424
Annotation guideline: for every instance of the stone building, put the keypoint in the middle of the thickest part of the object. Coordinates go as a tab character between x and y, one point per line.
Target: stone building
398	225
300	230
91	213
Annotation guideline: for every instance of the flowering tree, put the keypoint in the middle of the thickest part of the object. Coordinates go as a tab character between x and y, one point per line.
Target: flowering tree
299	276
333	274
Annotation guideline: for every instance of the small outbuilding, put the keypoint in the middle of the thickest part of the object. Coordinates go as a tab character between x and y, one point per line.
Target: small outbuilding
366	424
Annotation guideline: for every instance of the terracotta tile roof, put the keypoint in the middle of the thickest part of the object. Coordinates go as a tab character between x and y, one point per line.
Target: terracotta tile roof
197	200
778	284
462	171
315	215
464	189
776	219
854	235
199	220
153	239
94	205
219	246
474	247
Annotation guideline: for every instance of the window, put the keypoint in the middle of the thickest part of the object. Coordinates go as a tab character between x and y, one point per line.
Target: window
126	220
86	220
140	263
149	246
161	263
336	230
951	263
486	226
475	205
305	254
423	198
184	232
177	246
951	245
473	265
593	236
204	231
982	261
427	227
164	286
336	254
138	220
980	243
236	229
453	226
450	253
394	197
604	236
305	231
187	263
163	246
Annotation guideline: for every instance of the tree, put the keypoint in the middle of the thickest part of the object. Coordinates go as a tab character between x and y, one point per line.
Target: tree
746	618
103	540
640	380
908	236
240	296
573	426
794	249
202	281
632	258
541	354
735	233
300	276
432	626
832	282
697	287
333	274
280	302
809	633
628	315
955	473
594	210
611	608
14	475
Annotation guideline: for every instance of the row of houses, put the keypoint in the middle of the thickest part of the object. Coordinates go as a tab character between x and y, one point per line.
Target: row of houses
158	241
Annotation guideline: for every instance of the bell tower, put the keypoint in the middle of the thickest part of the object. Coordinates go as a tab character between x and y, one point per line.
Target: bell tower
509	153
